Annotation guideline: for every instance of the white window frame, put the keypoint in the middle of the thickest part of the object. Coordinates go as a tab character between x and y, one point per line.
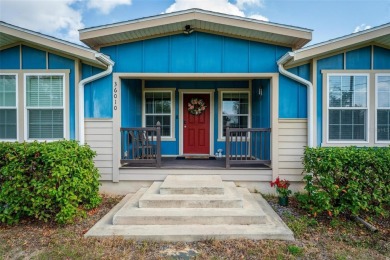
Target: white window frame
348	108
222	138
26	130
377	75
16	106
171	91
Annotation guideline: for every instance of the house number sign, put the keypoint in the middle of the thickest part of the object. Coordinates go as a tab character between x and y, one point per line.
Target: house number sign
115	95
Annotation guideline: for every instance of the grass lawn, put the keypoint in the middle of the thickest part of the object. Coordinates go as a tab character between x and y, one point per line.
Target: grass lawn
320	238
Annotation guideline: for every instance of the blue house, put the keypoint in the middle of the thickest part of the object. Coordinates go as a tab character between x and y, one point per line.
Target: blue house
196	92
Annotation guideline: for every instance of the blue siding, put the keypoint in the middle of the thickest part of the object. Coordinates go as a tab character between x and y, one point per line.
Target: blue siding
293	95
381	58
156	55
10	58
337	63
58	62
198	52
236	56
33	58
131	100
183	59
209	52
359	59
97	94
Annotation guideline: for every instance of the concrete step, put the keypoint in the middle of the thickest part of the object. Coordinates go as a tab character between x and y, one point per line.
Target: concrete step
192	184
274	228
131	214
153	199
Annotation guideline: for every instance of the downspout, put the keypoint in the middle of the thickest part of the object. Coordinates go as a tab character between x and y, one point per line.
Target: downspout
106	61
310	97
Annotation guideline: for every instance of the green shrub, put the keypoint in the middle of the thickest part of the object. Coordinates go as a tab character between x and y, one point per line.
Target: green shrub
346	180
47	181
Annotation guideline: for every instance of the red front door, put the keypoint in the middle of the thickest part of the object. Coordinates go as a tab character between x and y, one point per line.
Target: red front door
196	127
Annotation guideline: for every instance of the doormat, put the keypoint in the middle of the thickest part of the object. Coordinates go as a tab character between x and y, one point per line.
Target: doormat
196	157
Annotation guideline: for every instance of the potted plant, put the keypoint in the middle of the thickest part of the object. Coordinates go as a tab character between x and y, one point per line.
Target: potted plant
282	190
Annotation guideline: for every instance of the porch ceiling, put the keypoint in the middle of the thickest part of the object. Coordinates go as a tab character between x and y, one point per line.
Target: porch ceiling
200	20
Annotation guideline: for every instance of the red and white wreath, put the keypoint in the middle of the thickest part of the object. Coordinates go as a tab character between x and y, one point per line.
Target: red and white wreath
196	106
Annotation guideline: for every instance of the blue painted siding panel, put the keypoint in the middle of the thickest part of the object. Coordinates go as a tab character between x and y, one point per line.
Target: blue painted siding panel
359	59
183	53
262	57
97	94
381	58
337	63
293	95
10	58
209	53
156	53
236	55
131	103
134	56
58	62
198	52
33	58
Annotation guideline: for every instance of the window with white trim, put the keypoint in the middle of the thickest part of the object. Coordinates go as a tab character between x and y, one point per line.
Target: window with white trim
44	106
348	108
8	107
235	110
158	107
383	108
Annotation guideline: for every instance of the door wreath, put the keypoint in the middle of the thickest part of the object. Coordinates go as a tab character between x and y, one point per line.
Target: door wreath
196	106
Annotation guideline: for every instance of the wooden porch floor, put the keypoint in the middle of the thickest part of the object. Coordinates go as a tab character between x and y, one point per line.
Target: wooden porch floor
218	163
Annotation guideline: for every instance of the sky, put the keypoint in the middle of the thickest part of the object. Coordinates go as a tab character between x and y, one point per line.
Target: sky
327	18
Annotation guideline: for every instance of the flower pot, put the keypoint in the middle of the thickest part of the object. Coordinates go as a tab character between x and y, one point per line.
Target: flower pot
283	201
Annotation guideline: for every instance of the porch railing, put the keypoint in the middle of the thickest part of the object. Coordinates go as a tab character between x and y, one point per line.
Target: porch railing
141	146
248	146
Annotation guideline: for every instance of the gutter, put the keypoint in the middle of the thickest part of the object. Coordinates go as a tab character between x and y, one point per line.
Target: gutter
110	64
310	97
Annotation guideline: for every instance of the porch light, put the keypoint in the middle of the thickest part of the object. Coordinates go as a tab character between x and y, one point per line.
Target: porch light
261	91
188	29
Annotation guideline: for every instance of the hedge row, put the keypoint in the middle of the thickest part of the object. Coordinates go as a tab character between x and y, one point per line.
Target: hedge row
347	180
47	181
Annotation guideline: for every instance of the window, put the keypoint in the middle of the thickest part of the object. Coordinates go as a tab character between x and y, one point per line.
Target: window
8	107
383	108
235	110
347	108
158	108
45	106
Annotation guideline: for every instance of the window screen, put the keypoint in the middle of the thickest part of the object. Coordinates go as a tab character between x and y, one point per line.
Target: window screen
347	99
235	110
44	103
158	108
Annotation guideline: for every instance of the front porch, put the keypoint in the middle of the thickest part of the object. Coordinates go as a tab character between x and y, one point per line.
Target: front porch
202	164
241	117
245	148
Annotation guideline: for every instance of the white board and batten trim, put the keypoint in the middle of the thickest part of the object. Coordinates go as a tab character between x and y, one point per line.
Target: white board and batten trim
292	141
99	136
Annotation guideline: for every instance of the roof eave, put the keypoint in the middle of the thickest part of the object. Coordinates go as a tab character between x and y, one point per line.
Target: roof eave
338	44
304	35
51	43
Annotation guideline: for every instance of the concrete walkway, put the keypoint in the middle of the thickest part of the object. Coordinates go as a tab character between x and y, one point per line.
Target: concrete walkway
191	208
